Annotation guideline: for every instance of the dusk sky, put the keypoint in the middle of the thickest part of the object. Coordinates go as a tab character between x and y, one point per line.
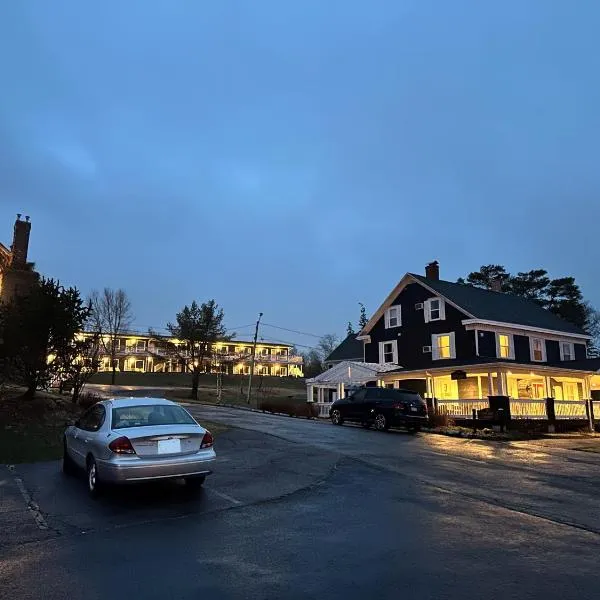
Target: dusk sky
296	158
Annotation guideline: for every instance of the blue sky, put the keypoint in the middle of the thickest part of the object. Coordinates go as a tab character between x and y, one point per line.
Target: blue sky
296	158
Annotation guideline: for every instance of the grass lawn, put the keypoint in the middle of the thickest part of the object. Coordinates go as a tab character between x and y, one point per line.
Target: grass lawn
234	387
32	430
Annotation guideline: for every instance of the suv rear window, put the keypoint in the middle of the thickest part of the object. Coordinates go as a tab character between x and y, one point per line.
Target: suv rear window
399	395
149	415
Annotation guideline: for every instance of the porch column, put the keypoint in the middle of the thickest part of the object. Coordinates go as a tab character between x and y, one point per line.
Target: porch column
479	387
502	383
490	384
309	393
547	387
342	391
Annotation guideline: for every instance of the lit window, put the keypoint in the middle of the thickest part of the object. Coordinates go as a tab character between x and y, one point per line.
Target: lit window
538	349
435	310
504	346
570	390
392	317
567	351
388	352
442	345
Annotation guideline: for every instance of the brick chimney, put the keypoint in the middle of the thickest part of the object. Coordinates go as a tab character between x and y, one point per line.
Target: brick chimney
432	270
20	244
496	284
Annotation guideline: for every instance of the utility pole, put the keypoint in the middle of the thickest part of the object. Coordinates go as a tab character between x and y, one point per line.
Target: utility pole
253	357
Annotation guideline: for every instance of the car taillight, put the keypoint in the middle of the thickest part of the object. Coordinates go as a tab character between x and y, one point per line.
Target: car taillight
400	405
121	445
207	440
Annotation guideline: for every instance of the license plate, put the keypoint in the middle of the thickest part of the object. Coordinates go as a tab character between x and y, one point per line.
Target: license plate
413	408
169	446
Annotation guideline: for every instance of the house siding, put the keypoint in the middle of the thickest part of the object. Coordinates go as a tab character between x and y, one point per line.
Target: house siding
415	333
522	353
552	351
487	344
580	352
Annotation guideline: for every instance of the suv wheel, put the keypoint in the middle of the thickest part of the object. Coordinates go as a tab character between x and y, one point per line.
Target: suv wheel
336	417
381	422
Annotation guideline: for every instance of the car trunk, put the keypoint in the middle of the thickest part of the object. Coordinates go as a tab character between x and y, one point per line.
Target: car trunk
413	407
163	440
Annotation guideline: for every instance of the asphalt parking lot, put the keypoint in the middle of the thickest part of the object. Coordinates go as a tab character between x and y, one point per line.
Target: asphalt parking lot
298	509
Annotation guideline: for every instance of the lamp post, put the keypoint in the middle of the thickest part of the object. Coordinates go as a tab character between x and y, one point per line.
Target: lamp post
252	359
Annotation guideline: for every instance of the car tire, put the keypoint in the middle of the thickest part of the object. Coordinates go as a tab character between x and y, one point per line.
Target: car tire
195	483
68	466
93	481
381	422
336	417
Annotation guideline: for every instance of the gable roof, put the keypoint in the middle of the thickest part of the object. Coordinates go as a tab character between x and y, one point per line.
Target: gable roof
484	305
352	373
349	349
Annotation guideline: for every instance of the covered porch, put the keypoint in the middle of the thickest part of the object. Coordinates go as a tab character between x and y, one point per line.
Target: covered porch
456	391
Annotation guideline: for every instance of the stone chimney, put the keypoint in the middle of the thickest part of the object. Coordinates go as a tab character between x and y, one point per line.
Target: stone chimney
20	244
496	284
432	270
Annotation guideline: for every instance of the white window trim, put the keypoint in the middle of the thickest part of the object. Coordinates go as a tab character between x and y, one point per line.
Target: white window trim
434	345
511	341
562	354
427	309
394	352
544	357
398	309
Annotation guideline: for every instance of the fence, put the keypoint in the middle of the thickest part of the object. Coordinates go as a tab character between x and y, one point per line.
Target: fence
528	409
323	409
570	409
460	408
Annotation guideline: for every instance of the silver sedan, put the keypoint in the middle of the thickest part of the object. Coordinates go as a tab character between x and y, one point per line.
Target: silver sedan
138	439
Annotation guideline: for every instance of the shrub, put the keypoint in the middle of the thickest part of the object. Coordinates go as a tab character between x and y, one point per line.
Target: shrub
87	400
290	407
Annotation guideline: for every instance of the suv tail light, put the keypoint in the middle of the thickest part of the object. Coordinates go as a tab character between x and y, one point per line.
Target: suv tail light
121	445
400	405
207	440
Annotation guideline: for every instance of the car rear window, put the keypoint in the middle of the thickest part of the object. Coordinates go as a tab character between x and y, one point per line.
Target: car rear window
146	415
400	395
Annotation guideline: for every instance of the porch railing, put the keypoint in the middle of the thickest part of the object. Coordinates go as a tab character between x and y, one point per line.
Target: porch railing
521	408
570	409
323	409
460	408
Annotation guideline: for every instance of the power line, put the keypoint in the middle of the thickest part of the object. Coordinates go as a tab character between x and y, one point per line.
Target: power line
294	331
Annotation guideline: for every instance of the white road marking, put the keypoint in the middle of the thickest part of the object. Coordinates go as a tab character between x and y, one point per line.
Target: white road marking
225	496
33	507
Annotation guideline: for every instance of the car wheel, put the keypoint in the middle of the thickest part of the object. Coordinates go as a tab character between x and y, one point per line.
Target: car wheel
381	422
195	483
93	481
68	466
336	417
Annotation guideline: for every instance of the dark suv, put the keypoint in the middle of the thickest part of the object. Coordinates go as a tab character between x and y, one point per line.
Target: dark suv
381	407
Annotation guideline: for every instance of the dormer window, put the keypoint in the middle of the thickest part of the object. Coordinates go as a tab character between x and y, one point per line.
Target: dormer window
393	317
505	347
435	310
567	351
537	348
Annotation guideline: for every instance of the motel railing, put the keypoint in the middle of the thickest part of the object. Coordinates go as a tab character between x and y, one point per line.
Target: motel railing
570	409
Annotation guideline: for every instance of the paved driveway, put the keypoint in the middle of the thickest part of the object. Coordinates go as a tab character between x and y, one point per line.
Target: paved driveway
312	511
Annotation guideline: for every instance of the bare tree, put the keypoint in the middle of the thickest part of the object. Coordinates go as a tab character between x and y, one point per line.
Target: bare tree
110	319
